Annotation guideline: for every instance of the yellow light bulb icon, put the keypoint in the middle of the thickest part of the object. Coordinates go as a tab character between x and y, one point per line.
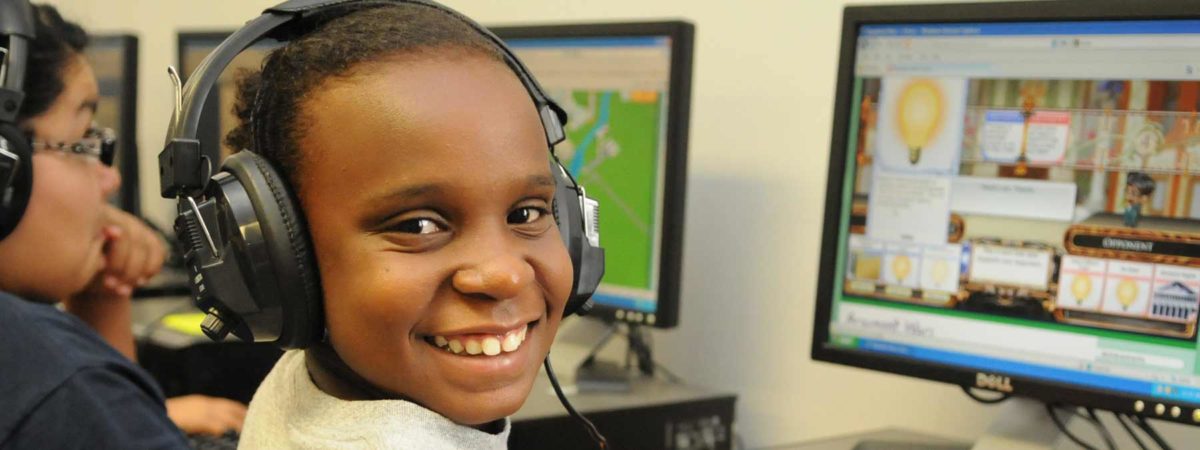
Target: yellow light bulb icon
1081	287
901	266
1127	291
919	115
939	272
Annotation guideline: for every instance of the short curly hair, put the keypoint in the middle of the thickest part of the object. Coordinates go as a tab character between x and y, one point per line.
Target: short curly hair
272	96
56	44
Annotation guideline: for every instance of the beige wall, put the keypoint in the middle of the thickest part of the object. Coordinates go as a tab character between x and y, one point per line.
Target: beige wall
762	105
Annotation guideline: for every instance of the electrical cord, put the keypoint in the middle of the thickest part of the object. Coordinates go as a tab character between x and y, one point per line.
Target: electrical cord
1132	434
595	434
1103	429
667	374
1063	428
1145	426
976	397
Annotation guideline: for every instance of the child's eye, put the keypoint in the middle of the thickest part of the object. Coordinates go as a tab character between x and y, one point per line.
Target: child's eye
418	226
525	215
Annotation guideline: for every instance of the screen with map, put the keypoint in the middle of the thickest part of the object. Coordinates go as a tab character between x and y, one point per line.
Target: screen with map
617	90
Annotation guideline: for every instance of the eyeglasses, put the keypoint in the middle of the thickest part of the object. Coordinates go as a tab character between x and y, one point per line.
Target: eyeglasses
97	143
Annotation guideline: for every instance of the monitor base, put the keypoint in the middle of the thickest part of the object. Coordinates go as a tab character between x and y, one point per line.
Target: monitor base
593	375
1023	425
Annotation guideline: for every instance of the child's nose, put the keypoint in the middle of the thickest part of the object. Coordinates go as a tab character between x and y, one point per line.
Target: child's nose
503	276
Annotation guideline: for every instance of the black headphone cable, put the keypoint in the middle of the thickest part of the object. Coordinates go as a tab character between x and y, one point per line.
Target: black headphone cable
595	434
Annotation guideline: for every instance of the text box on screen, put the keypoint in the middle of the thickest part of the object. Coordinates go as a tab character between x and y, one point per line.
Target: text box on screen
1010	197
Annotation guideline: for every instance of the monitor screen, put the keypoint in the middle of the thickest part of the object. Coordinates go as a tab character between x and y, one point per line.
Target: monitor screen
625	88
1014	205
113	58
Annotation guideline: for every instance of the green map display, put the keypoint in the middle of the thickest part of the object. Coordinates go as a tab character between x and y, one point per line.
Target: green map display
612	149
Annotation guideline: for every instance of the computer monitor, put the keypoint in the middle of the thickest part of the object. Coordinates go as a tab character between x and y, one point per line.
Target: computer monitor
114	58
1013	201
626	88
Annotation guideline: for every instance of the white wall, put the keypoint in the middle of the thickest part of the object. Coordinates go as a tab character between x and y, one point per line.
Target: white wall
761	115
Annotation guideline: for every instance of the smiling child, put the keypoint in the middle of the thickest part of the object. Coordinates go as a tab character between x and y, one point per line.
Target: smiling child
422	169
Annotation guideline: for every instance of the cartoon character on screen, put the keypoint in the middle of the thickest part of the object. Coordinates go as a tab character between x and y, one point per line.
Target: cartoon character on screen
1138	188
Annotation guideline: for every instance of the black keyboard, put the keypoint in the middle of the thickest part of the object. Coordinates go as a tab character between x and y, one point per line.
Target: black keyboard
227	441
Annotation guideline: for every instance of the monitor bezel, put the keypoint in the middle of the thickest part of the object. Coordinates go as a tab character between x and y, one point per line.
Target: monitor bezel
1034	11
682	35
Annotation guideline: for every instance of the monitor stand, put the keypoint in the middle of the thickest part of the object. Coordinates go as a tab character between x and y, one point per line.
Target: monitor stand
1021	425
598	375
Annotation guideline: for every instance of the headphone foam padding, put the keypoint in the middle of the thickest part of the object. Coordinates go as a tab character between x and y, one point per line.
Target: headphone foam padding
286	237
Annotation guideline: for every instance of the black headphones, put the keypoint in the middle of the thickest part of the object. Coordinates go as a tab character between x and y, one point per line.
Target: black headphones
247	251
16	155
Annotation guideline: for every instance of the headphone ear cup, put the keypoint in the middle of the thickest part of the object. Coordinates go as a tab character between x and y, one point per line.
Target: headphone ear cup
15	198
290	256
570	227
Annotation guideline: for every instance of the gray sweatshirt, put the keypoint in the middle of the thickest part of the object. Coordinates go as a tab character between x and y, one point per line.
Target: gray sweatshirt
289	412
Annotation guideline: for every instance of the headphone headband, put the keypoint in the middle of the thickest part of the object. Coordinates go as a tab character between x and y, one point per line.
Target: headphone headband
180	162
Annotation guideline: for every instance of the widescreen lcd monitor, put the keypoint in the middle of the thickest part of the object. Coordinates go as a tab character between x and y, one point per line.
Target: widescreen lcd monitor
1013	201
626	88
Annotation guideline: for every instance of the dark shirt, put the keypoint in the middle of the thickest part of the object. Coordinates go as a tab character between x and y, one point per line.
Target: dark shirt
62	386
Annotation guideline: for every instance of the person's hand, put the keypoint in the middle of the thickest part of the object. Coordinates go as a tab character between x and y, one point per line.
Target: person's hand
132	253
199	414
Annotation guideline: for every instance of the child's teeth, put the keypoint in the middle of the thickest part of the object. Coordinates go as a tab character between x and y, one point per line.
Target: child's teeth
473	347
511	342
491	346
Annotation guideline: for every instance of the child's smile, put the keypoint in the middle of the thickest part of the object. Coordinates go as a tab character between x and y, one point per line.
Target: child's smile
486	342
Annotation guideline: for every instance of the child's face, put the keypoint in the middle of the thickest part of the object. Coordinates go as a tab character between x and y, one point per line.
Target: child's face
57	247
427	188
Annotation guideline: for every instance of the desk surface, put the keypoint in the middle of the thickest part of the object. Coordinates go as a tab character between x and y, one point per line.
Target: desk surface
646	392
899	440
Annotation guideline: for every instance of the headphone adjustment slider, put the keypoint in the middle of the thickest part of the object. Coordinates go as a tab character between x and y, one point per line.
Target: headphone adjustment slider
591	217
214	326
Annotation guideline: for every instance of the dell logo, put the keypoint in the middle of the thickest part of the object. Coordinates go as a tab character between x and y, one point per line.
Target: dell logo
993	382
